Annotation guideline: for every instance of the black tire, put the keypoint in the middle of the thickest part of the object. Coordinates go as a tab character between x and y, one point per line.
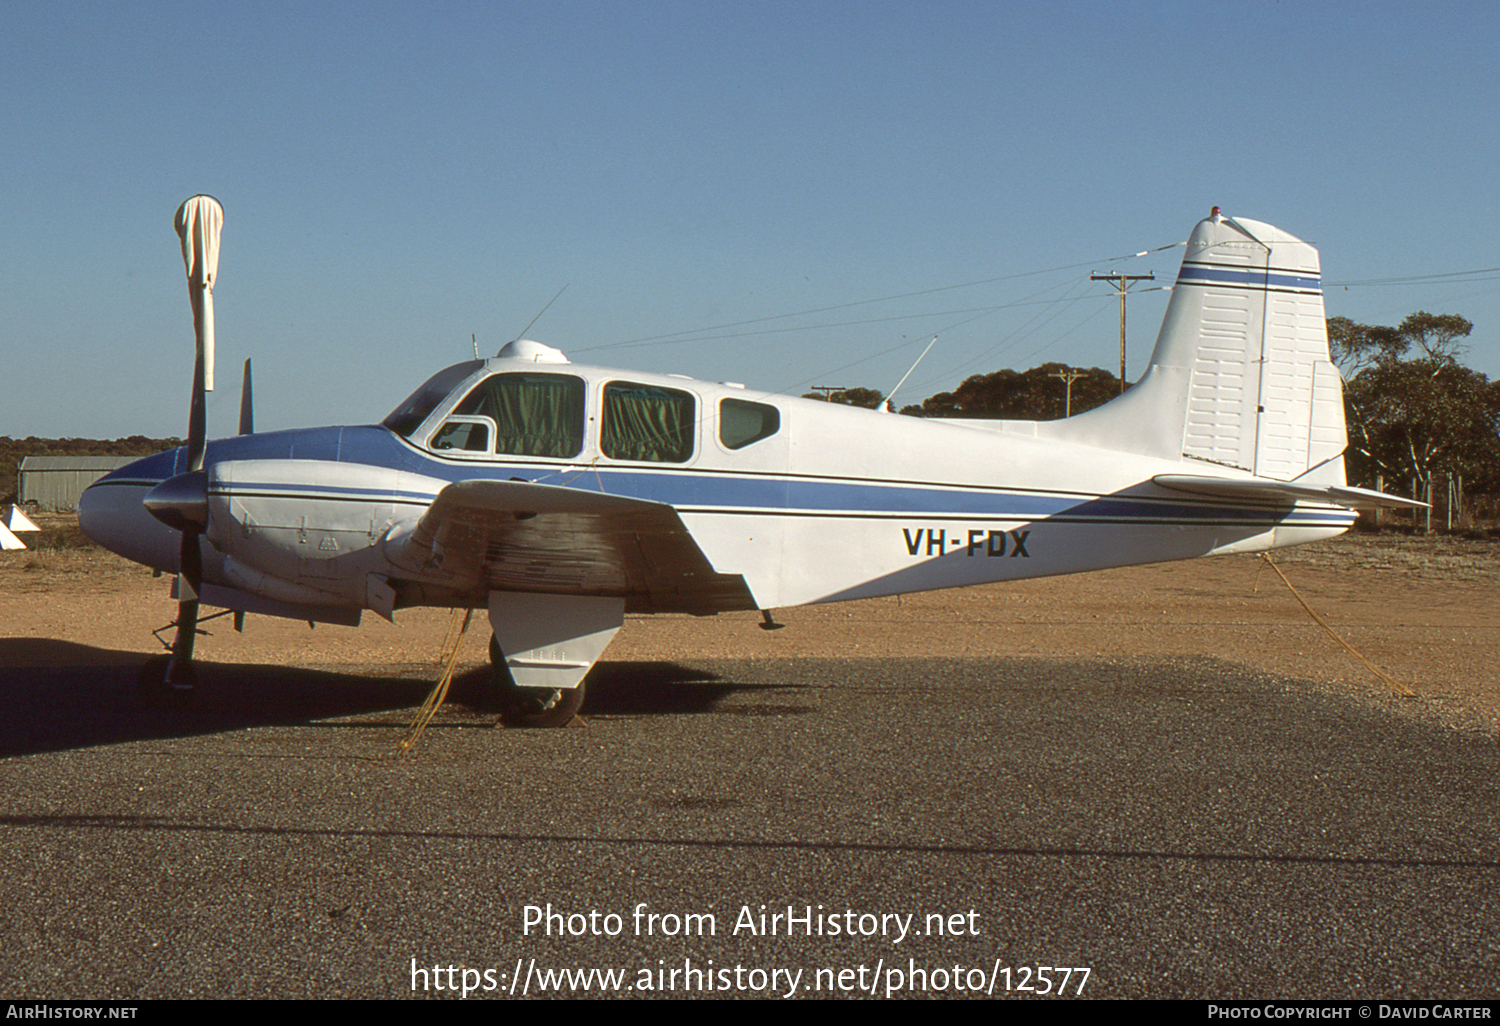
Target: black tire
531	707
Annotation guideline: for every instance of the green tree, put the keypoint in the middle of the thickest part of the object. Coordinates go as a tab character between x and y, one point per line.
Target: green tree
1036	394
1438	336
869	398
1353	347
1413	419
1420	418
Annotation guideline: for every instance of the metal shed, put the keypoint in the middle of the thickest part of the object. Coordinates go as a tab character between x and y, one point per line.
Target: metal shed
56	482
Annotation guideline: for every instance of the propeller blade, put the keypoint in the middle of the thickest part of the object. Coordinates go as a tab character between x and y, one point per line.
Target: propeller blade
197	439
199	222
182	502
180	674
247	405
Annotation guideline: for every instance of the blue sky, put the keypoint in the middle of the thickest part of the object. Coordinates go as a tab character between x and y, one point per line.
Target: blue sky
700	176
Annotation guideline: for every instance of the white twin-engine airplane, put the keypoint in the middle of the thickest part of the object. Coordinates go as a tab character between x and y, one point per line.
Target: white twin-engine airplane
563	496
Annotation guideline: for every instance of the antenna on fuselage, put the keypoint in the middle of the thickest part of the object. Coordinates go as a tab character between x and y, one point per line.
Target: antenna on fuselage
537	317
885	407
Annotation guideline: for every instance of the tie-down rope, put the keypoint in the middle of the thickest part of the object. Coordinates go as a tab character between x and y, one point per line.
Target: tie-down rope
1390	681
448	660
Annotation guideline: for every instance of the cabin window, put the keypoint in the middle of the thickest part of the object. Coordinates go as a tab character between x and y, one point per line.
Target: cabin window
647	423
470	435
743	423
533	414
409	416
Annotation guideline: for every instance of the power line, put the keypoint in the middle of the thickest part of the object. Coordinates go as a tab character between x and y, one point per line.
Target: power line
679	336
1412	279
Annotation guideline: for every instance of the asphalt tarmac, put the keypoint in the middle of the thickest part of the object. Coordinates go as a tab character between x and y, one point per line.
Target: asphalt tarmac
1182	829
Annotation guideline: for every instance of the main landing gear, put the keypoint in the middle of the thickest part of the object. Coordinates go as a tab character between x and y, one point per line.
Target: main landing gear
532	707
542	647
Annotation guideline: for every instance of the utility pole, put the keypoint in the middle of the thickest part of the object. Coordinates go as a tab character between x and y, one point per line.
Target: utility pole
1122	283
1068	375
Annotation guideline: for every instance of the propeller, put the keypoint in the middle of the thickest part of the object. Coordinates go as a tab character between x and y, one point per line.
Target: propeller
247	404
181	502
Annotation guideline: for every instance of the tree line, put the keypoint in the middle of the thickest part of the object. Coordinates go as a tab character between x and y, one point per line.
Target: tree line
1041	393
1420	423
1416	415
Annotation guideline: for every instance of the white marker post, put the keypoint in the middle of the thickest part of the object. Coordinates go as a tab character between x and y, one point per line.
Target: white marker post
20	521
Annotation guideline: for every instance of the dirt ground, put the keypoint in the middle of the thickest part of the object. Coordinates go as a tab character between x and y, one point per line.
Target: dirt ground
1425	611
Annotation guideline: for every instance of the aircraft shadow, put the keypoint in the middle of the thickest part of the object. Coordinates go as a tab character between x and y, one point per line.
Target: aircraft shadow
56	696
655	688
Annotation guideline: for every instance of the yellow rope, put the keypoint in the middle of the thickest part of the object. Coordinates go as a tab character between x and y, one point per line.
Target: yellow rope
1390	681
448	660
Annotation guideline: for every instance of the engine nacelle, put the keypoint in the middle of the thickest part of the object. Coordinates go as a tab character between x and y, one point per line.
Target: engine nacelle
308	527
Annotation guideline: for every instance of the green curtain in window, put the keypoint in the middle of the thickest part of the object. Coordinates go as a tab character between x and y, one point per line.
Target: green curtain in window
642	422
534	414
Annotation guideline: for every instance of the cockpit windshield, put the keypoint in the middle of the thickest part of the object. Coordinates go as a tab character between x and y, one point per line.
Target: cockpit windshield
409	416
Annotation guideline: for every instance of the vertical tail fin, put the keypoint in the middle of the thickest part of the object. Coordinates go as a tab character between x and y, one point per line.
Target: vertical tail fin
1240	376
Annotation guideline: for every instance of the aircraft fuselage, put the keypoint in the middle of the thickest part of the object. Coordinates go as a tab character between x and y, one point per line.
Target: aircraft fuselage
806	501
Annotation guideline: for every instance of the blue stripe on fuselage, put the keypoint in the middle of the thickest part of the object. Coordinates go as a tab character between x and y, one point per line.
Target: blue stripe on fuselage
690	490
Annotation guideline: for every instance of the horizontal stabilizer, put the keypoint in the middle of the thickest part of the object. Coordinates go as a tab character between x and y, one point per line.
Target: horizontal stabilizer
1285	491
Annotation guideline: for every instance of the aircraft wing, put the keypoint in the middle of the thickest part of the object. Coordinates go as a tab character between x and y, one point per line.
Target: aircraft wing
1283	491
519	536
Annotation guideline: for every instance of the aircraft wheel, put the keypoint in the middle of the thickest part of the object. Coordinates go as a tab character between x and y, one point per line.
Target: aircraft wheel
532	707
157	691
